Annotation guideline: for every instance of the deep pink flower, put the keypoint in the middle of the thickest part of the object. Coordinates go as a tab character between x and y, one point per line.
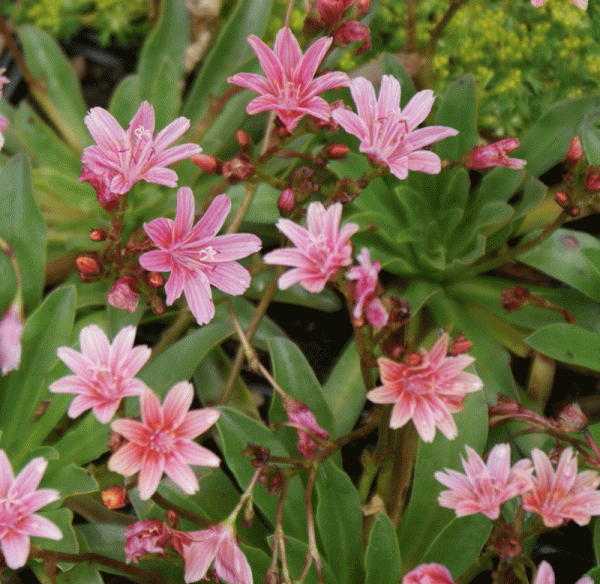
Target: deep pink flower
485	487
290	88
562	494
545	575
301	414
579	3
320	252
3	120
494	154
331	11
427	392
366	280
353	31
145	537
11	327
388	135
18	501
196	257
429	574
122	158
123	294
218	543
164	441
104	373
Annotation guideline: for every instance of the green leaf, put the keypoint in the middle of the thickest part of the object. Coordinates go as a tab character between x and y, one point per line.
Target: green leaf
459	545
590	140
596	539
458	110
570	256
63	519
382	558
345	391
296	553
68	479
237	431
22	227
339	522
47	62
45	330
125	99
568	343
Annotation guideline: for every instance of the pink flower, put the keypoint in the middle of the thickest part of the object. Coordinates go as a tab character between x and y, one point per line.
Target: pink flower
104	373
145	537
579	3
289	88
494	155
196	257
331	11
353	31
18	501
218	543
320	252
3	120
11	327
562	494
164	441
545	575
122	158
429	574
387	135
124	295
366	283
299	413
484	488
429	391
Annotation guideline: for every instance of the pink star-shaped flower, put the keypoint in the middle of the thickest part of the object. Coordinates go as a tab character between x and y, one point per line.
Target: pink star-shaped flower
562	494
579	3
11	327
387	134
122	158
104	373
545	575
164	441
196	257
485	487
428	392
290	88
18	501
429	574
320	252
366	278
3	120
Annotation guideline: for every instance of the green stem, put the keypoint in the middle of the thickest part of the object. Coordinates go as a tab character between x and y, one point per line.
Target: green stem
238	218
181	511
180	324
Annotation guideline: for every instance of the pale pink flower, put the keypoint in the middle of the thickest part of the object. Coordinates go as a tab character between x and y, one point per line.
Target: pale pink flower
290	88
485	487
122	158
494	154
579	3
427	392
429	574
321	250
123	294
366	276
164	441
218	543
11	327
3	120
388	135
145	537
545	575
560	495
104	373
18	501
196	257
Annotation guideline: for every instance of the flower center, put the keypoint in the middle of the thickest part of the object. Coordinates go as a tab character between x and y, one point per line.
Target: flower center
162	441
105	382
10	513
207	254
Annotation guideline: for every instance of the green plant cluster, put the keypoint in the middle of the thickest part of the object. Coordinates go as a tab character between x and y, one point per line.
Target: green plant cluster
508	48
124	21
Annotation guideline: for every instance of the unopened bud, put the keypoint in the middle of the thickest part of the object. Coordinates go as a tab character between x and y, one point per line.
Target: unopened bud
88	266
361	9
336	151
209	164
460	345
572	419
124	294
115	497
154	280
237	169
353	31
98	235
172	519
286	201
592	178
575	153
248	514
413	359
494	155
562	199
243	140
331	11
574	211
157	305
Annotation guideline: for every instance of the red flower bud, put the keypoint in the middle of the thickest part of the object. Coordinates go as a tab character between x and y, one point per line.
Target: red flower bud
574	211
154	280
575	153
572	419
331	11
237	169
88	266
157	305
460	345
592	178
494	155
562	199
286	201
353	31
361	9
336	151
209	164
115	497
98	235
243	140
413	359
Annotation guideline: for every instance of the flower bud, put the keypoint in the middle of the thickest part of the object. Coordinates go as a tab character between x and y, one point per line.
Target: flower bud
11	327
575	153
331	11
248	514
208	164
574	211
460	345
157	305
154	280
353	31
243	140
361	9
413	359
98	234
238	169
124	295
562	199
115	497
88	266
336	151
572	419
494	155
592	178
300	414
286	201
